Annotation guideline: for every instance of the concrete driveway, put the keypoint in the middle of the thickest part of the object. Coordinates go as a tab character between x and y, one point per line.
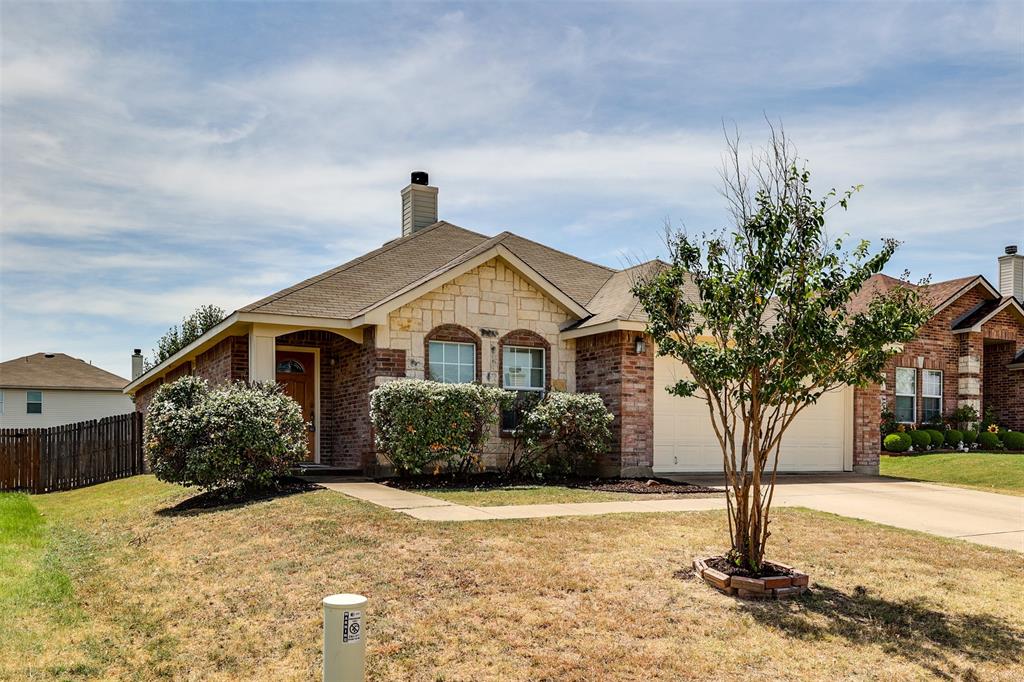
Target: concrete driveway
985	518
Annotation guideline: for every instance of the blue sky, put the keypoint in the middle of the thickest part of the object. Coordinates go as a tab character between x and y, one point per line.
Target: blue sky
156	157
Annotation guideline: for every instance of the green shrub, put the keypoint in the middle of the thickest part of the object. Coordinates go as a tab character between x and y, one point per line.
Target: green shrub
1014	440
970	435
920	439
570	429
938	438
989	441
232	438
1002	433
953	438
896	442
421	423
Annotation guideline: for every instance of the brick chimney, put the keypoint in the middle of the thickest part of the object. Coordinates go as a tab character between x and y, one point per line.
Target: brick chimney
1011	273
136	364
419	204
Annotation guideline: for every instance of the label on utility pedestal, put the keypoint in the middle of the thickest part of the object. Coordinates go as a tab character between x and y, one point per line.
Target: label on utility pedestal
351	627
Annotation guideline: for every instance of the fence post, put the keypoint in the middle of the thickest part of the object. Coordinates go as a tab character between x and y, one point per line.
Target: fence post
344	638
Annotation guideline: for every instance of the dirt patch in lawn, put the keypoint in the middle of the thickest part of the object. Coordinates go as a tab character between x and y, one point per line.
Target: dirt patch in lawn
218	499
638	486
767	570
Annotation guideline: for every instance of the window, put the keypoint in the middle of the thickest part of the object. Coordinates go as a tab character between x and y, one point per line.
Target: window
34	402
931	395
1	403
452	363
522	372
290	367
523	368
906	395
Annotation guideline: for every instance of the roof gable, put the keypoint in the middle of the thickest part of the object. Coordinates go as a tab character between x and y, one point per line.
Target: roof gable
364	283
57	370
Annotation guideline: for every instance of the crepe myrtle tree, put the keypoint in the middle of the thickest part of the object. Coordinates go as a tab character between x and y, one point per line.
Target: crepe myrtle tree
761	316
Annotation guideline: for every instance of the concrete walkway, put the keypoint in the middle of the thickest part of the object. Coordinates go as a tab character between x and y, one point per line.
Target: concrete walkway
984	518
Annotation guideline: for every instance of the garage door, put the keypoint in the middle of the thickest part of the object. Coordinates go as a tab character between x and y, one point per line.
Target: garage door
819	439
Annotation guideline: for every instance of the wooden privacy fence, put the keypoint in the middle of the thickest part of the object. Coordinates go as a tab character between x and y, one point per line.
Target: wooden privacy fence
72	455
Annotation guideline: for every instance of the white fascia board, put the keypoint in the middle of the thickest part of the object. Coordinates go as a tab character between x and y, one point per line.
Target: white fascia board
611	326
236	321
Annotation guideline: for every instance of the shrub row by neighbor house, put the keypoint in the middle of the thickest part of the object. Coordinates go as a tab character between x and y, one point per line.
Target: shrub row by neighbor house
231	438
921	440
429	427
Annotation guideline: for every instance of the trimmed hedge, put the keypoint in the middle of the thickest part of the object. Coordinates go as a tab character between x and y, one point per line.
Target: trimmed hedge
896	442
1014	440
420	424
230	438
938	438
953	438
989	441
970	435
920	439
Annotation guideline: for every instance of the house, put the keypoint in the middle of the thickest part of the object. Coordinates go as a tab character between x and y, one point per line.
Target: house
970	352
50	389
451	304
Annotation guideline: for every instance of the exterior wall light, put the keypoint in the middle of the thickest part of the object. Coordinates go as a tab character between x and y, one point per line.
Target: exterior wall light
640	345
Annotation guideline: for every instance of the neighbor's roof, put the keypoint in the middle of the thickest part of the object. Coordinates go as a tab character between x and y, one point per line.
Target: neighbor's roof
936	293
347	290
57	370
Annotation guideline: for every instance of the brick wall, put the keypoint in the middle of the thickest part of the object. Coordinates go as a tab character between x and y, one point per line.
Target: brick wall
348	372
1003	390
226	362
867	410
608	364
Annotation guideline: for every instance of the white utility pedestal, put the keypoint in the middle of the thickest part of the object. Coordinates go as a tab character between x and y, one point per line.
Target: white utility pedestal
344	638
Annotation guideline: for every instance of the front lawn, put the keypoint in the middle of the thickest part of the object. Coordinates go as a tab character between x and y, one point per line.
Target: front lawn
234	593
1001	473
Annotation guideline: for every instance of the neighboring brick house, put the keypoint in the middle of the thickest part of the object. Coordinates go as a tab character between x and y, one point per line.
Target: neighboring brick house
971	352
446	303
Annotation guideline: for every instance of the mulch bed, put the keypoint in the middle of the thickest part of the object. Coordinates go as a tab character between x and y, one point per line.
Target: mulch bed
639	486
768	569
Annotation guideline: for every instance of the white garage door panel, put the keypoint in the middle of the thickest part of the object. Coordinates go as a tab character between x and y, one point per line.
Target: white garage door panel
684	439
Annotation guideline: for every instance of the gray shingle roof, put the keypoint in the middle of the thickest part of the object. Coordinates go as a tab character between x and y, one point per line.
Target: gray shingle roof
347	290
57	370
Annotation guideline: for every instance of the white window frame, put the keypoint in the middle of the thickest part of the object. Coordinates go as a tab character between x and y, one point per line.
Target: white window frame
543	368
459	364
924	395
897	395
32	402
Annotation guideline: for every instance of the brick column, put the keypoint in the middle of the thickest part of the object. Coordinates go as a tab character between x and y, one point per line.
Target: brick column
867	433
608	364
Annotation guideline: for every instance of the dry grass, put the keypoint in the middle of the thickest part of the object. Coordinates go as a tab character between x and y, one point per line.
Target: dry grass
544	494
235	594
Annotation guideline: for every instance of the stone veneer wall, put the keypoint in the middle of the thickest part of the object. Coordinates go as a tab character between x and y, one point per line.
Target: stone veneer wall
489	301
496	305
608	364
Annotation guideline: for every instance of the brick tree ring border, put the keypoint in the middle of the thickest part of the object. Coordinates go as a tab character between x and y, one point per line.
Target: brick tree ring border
769	587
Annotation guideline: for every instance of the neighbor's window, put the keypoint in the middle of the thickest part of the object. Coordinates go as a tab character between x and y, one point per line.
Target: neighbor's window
523	368
931	394
1	403
452	363
34	402
906	395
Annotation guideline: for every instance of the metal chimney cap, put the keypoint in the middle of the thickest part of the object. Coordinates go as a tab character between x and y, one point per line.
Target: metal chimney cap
1011	249
138	351
419	178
